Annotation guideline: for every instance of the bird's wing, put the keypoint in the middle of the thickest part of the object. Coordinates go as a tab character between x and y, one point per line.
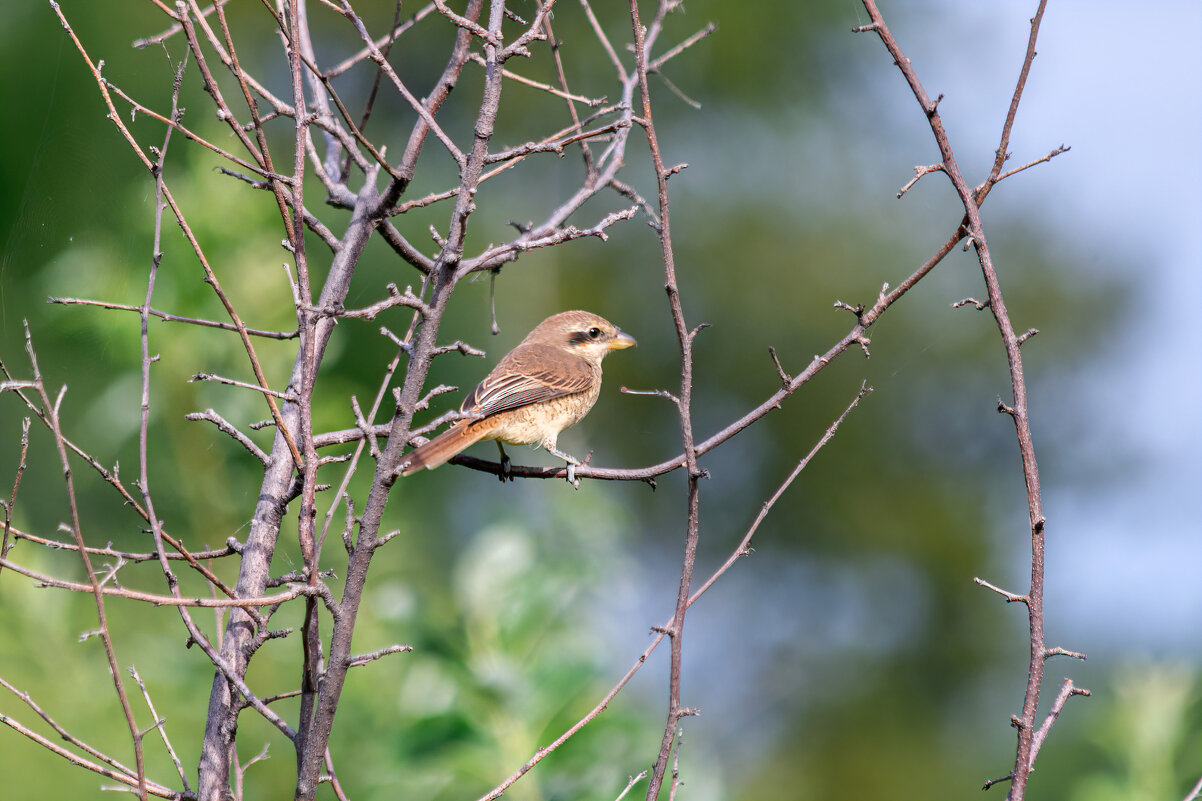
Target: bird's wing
528	374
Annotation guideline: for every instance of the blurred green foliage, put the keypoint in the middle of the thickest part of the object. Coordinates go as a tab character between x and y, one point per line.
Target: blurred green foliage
849	657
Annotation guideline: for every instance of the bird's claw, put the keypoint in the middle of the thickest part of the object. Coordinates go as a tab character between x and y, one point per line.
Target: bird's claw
506	471
575	482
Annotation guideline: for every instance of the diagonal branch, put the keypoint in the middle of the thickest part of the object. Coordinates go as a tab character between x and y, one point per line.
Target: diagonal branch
742	549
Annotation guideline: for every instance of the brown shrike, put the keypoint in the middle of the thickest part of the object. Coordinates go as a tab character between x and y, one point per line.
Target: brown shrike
544	385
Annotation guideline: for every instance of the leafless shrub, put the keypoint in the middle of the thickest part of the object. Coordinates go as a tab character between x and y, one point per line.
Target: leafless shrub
331	157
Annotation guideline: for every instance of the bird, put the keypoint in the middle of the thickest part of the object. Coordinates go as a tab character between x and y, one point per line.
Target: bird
547	383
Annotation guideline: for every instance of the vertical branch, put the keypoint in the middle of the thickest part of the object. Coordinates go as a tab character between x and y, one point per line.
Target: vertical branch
1018	409
683	400
295	32
156	525
443	280
369	208
12	498
52	418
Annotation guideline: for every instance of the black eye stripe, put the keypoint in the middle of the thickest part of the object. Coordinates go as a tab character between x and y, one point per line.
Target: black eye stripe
589	335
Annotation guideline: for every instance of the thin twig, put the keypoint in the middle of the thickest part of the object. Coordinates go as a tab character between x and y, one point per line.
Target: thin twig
12	498
173	318
94	585
1195	792
742	549
642	39
1018	409
152	598
159	724
1067	690
149	788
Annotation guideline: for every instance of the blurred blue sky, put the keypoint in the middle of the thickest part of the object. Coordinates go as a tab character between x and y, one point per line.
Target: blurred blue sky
1123	498
1121	87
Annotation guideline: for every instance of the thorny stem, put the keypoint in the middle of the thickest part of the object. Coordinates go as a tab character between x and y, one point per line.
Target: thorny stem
684	402
1018	409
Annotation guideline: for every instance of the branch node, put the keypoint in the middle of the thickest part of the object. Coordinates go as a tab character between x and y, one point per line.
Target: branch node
919	172
785	378
1058	651
857	310
864	342
1009	596
668	173
658	393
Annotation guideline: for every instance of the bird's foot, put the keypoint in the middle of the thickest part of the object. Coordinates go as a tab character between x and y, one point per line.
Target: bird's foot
506	473
570	459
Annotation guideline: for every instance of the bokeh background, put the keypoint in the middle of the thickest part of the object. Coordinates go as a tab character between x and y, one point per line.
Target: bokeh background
851	655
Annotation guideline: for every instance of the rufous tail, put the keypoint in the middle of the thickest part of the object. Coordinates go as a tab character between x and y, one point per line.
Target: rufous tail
443	447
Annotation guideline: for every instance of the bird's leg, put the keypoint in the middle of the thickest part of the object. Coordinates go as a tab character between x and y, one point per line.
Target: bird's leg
505	463
567	457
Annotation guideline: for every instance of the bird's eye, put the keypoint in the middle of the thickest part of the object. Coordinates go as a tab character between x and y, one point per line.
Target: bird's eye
594	333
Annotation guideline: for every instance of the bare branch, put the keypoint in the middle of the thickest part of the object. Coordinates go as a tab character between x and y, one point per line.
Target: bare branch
372	656
157	600
158	724
742	549
128	779
12	498
174	318
973	227
226	427
244	385
1067	690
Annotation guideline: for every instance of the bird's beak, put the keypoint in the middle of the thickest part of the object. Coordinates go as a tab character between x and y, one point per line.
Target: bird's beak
622	341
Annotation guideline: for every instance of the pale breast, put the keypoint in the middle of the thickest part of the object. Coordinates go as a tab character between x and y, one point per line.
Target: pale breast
541	422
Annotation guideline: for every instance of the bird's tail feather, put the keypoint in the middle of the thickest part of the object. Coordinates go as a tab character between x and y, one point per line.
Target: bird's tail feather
443	447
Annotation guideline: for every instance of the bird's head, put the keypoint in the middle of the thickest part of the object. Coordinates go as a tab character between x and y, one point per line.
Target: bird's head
583	333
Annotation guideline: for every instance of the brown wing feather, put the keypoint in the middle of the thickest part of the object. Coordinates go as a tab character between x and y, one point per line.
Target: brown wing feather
528	374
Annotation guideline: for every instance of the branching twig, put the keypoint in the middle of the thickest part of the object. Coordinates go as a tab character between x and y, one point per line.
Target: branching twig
174	318
183	778
12	498
742	549
1018	410
94	585
151	598
642	41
